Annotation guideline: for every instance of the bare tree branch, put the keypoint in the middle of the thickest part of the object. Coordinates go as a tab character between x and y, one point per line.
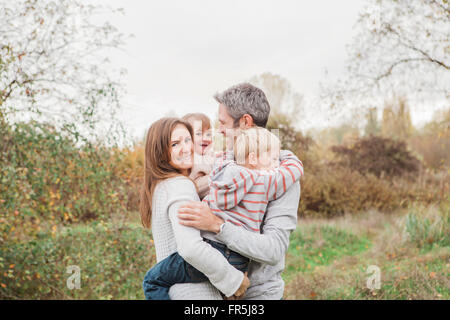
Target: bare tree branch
51	58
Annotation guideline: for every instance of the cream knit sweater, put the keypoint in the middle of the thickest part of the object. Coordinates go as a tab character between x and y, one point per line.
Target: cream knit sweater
169	236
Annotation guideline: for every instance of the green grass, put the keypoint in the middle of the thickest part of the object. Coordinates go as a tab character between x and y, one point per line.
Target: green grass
413	256
314	246
326	259
428	228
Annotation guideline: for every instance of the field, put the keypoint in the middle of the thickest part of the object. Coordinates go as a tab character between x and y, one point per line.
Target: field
327	258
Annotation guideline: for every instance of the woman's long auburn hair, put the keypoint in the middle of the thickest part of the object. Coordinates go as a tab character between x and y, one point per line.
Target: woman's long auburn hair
157	165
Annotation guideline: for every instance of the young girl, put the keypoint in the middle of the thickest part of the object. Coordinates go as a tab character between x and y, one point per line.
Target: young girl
203	149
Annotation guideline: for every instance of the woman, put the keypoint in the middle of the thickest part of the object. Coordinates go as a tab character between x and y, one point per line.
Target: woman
168	162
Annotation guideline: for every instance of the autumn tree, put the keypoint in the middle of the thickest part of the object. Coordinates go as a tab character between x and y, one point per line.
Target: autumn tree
283	99
372	124
53	65
285	113
396	122
432	141
401	48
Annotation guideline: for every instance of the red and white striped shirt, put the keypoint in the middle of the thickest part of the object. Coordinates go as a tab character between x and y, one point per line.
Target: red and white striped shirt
241	195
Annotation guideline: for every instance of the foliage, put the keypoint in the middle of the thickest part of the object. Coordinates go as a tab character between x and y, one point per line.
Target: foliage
344	133
291	139
112	258
378	156
396	123
372	126
47	179
432	142
130	170
335	190
327	259
281	96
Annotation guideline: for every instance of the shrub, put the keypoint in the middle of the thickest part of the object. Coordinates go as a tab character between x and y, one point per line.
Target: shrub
334	190
48	178
112	259
378	156
130	168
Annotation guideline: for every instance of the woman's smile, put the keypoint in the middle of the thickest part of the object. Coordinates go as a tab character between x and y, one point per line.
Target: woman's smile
185	158
181	149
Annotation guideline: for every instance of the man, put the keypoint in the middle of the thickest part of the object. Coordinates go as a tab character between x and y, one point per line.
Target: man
241	107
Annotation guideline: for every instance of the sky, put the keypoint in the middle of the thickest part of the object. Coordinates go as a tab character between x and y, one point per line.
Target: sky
183	52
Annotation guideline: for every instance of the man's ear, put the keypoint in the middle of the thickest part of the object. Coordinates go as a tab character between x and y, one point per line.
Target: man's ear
246	121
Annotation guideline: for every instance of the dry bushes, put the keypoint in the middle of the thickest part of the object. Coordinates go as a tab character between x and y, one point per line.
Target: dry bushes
358	175
373	173
432	143
378	155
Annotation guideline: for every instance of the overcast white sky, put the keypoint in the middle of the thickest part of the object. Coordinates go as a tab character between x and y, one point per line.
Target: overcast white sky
185	51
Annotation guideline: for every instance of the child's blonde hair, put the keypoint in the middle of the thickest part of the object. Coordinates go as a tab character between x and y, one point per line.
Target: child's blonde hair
256	140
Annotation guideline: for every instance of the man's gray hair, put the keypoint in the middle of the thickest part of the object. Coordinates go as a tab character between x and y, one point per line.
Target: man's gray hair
245	98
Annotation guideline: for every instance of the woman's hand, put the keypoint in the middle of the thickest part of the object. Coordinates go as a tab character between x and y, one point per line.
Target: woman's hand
198	215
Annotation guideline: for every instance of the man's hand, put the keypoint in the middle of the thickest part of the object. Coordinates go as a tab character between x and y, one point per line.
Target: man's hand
198	215
242	289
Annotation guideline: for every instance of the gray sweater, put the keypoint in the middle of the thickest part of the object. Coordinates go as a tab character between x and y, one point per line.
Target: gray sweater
267	250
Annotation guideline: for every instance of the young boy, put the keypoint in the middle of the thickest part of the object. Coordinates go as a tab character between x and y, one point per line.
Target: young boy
239	193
